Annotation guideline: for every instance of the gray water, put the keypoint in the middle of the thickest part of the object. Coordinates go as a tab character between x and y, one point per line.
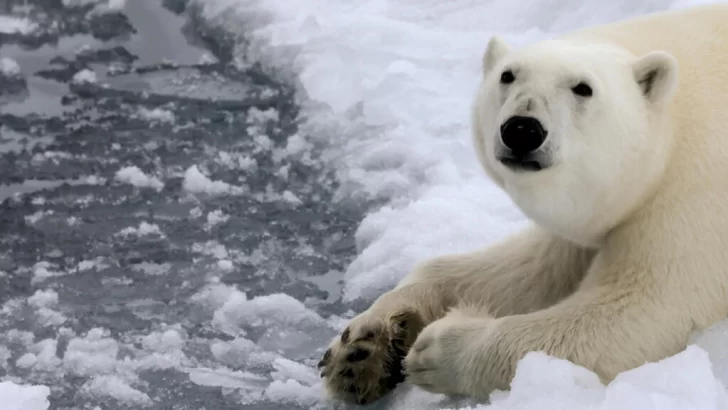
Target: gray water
160	296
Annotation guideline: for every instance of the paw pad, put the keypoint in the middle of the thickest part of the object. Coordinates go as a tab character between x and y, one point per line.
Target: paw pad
357	355
366	359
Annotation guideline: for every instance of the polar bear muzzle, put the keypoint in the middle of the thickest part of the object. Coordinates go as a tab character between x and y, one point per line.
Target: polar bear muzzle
522	137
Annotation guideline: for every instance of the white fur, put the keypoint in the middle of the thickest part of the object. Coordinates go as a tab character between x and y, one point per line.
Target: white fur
628	251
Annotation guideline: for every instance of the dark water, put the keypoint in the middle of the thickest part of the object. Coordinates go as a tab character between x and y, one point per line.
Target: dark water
114	294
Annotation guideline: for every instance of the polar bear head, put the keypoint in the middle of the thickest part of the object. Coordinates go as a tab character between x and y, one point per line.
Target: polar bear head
577	133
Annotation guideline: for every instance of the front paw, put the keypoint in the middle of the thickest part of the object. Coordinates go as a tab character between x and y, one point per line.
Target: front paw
432	362
365	361
452	355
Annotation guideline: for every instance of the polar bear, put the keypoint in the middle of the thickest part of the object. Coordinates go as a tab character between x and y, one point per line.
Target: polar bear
613	140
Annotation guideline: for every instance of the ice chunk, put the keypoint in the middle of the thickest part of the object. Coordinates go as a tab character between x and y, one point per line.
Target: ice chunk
23	397
96	353
9	66
115	387
84	76
157	114
196	182
144	229
10	24
293	392
135	176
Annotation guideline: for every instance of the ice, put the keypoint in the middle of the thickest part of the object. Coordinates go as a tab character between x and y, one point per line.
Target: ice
157	114
43	298
26	360
222	377
291	391
21	397
135	176
44	270
9	66
10	24
144	229
100	5
117	388
387	85
91	355
154	269
277	313
216	217
241	352
84	76
196	182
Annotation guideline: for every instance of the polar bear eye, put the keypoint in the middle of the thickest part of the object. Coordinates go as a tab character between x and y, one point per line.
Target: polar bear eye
507	77
582	89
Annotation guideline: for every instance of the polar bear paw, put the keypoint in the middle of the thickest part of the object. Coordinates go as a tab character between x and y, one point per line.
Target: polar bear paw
365	362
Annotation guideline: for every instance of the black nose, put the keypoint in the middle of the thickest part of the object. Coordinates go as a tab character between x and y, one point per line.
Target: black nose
522	134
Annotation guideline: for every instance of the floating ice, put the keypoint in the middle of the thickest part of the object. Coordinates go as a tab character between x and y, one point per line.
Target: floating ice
9	66
144	229
117	388
101	5
10	24
135	176
84	76
157	114
196	182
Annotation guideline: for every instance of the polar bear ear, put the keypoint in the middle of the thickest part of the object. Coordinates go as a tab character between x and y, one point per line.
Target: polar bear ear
497	48
656	74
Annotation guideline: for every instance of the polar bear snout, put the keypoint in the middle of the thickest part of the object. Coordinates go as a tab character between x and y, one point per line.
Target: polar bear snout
521	138
522	135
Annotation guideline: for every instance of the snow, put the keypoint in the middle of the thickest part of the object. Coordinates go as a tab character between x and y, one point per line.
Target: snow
387	86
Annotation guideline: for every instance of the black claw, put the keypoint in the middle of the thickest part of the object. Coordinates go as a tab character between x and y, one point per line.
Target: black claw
395	368
398	347
357	355
347	373
345	335
350	388
325	359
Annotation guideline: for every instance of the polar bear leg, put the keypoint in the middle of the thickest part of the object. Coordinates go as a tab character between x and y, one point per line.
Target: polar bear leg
525	272
633	306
